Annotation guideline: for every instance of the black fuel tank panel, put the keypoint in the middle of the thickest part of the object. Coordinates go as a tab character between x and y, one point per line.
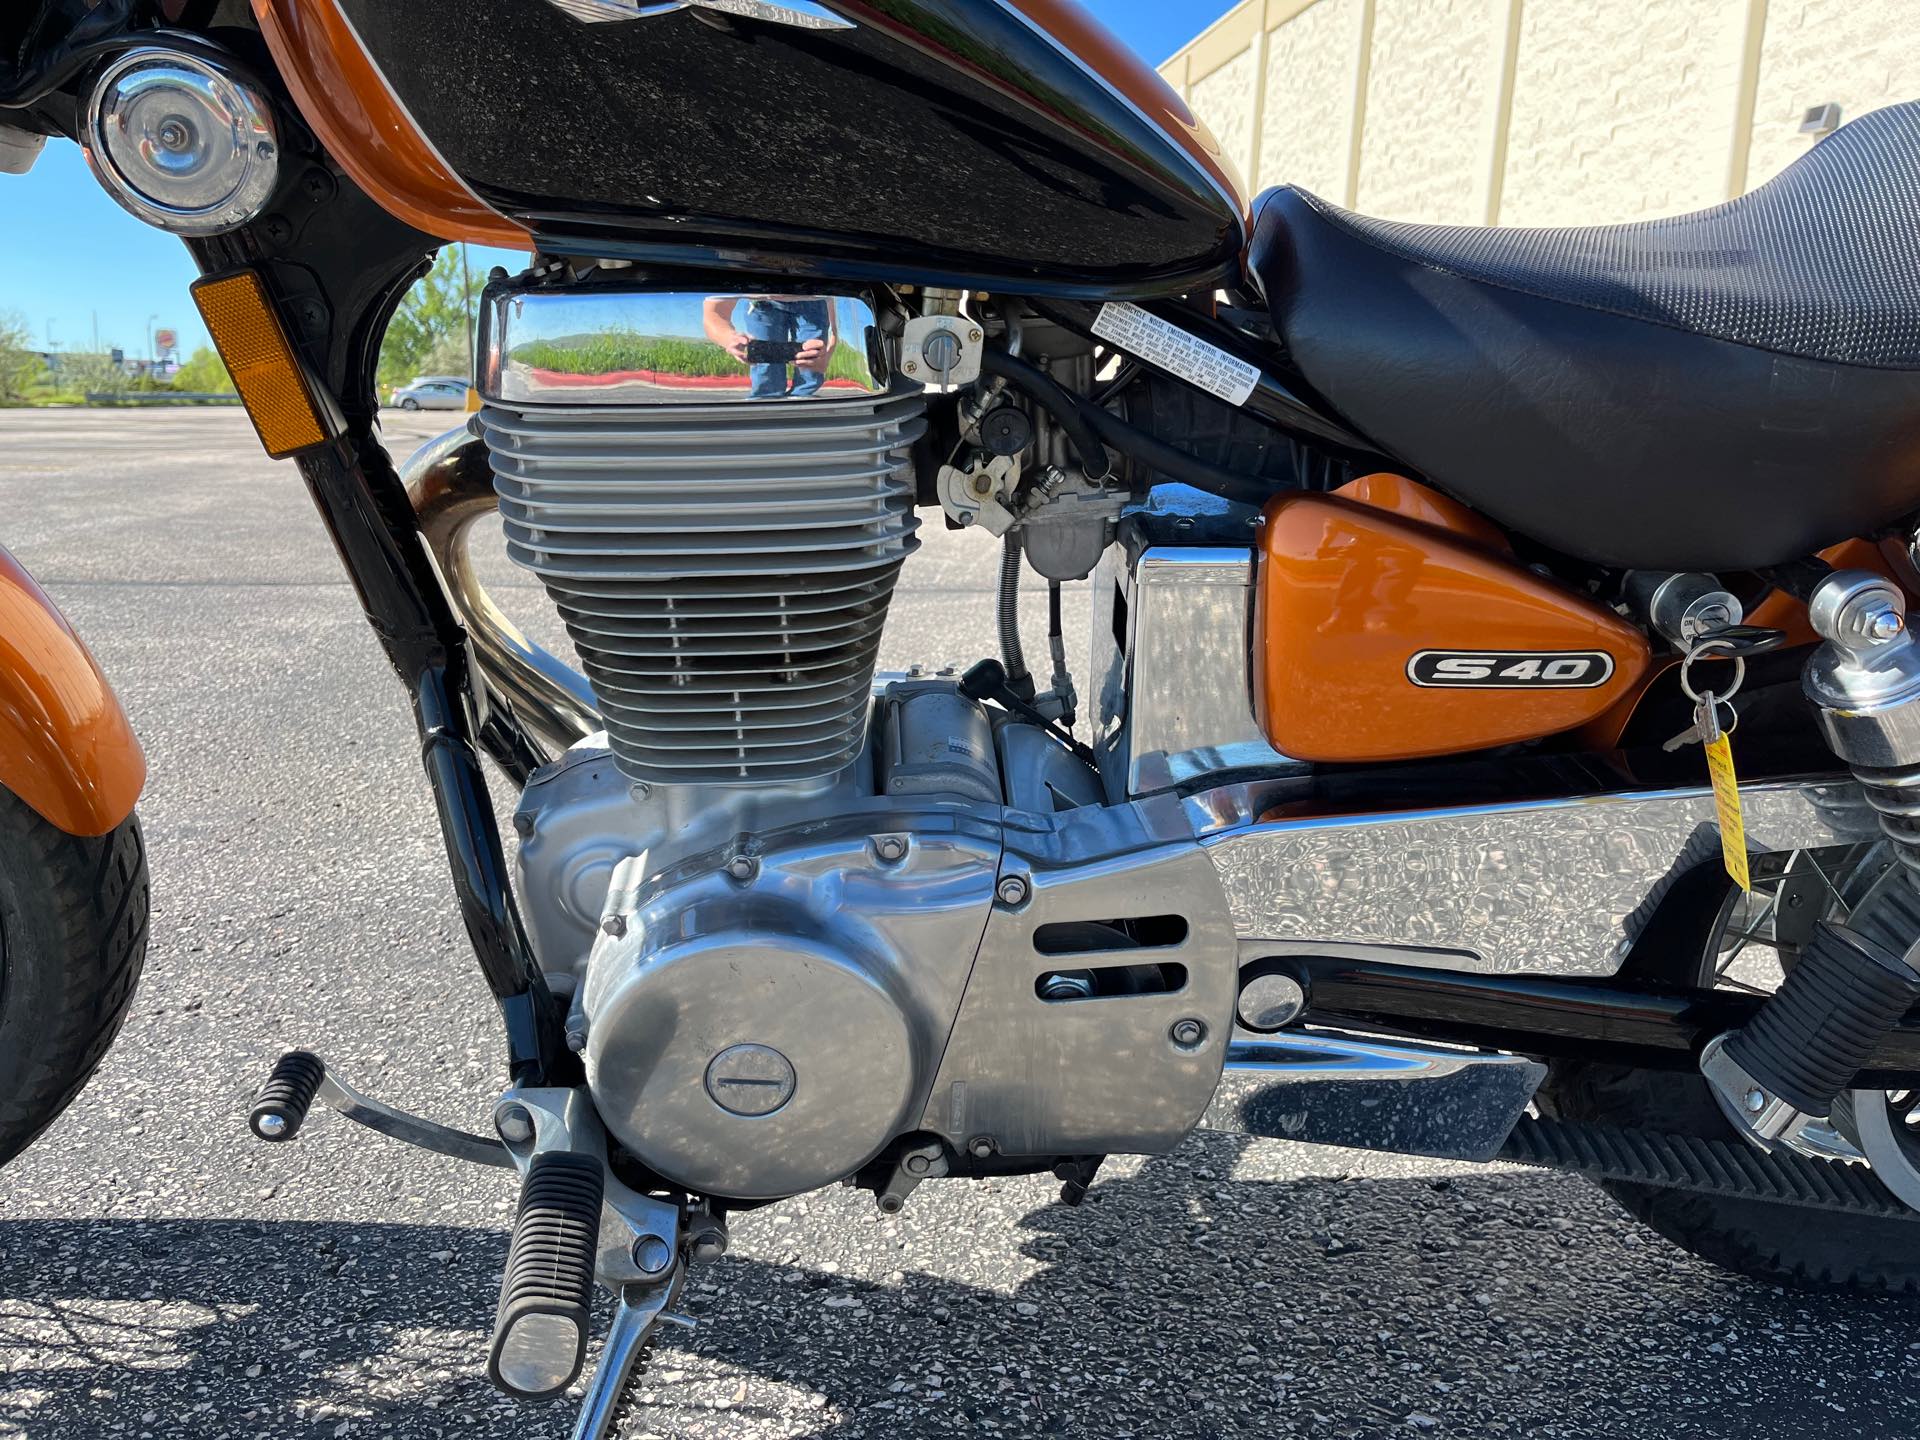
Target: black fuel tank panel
944	141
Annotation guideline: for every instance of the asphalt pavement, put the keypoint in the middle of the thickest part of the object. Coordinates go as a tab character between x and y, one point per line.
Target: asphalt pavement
162	1275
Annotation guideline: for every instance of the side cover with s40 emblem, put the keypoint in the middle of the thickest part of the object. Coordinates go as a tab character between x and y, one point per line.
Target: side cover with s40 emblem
1394	634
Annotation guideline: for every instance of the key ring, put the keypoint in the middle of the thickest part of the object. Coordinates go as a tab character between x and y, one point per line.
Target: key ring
1701	652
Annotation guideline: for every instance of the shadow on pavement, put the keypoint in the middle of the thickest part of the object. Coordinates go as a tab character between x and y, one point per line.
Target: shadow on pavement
1364	1307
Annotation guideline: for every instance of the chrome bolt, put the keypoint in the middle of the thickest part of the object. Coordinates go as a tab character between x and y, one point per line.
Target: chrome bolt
652	1255
174	135
514	1124
890	848
1886	625
1012	890
639	790
272	1126
1187	1034
743	868
981	1146
1271	1002
1756	1100
615	925
1066	985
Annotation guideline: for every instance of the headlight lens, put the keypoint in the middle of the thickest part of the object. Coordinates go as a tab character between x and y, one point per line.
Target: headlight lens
181	144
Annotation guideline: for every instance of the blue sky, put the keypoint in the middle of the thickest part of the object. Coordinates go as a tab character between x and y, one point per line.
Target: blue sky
71	260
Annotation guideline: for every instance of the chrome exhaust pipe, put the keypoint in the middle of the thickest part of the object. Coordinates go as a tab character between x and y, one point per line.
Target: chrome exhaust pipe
540	703
1323	1087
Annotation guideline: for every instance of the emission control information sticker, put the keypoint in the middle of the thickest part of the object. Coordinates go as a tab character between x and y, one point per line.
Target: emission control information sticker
1175	351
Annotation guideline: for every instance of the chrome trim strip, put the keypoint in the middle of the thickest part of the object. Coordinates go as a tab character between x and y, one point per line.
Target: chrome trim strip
1553	887
1324	1087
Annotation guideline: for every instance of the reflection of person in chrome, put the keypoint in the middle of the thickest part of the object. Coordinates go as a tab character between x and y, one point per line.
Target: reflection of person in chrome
775	331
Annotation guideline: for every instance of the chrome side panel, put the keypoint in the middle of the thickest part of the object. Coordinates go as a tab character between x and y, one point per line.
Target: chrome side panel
1173	694
1556	887
1097	1075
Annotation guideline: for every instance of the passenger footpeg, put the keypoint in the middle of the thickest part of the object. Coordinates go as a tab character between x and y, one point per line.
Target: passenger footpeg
300	1077
1784	1067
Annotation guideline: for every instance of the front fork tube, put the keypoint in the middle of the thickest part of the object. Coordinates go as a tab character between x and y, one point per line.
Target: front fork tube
366	512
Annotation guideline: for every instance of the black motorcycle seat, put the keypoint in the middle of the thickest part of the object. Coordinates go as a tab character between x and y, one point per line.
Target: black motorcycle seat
1722	390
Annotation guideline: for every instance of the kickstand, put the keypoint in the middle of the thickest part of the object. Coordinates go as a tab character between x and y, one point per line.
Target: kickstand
638	1312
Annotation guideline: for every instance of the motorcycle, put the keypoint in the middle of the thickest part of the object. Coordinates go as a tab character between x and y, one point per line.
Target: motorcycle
1500	735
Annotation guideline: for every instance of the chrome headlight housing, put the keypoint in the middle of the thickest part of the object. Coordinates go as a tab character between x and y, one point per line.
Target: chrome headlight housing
180	143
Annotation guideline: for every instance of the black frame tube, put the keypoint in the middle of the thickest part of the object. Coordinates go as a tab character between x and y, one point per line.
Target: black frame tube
1651	1027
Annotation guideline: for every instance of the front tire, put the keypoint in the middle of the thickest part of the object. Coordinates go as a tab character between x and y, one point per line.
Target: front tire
73	936
409	404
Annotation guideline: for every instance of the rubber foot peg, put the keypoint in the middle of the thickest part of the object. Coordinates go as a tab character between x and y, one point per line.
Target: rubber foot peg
280	1109
1817	1031
546	1297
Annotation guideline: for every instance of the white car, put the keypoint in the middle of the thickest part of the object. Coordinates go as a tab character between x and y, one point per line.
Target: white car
431	394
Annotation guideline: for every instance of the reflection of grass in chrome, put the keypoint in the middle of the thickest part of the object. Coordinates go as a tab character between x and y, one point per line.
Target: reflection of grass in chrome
614	351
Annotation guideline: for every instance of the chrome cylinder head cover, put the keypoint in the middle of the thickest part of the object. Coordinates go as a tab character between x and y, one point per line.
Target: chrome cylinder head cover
716	491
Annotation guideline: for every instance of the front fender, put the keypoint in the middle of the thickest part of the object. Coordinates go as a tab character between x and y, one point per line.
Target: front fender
66	748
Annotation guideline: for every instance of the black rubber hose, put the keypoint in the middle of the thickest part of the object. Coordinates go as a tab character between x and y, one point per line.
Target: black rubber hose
1066	408
1087	425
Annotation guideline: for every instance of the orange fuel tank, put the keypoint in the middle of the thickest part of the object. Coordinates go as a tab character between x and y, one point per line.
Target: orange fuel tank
1383	637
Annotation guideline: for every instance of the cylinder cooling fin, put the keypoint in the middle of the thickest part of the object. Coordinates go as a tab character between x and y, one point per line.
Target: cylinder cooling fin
724	571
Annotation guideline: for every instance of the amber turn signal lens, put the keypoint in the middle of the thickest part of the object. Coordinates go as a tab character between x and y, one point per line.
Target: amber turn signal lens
265	371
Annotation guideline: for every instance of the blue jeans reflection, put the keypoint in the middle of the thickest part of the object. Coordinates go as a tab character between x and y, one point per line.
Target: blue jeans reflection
793	322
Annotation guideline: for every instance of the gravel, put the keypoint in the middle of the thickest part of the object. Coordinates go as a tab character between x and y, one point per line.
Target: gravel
161	1275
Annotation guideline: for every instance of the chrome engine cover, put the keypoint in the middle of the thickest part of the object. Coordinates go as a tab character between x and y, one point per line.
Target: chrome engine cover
761	1020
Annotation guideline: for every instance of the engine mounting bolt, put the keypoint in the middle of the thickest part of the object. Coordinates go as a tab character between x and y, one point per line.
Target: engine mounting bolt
652	1255
743	868
709	1244
523	822
1012	890
1756	1100
514	1124
1188	1034
639	790
918	1164
981	1146
889	1204
890	848
577	1035
615	925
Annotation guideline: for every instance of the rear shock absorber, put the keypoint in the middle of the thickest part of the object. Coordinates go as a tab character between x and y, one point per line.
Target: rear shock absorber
1853	982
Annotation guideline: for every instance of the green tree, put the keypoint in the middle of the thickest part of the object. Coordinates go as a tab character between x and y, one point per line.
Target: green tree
83	374
433	321
20	369
204	374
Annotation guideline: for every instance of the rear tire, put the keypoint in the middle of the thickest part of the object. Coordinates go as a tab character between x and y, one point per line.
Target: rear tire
1780	1244
73	936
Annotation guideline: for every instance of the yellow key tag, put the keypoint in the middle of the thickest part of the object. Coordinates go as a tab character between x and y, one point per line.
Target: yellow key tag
1726	807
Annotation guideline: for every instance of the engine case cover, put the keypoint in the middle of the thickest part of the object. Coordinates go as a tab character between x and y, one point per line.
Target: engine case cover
760	1023
1382	637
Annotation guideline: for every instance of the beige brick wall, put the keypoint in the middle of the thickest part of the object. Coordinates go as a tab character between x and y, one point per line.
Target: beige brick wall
1538	112
1623	105
1431	94
1860	53
1311	65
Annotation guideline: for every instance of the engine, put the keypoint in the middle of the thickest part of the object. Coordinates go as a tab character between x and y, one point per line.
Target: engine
805	918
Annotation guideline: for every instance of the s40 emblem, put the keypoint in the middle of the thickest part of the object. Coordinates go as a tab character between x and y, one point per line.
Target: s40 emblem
1510	669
